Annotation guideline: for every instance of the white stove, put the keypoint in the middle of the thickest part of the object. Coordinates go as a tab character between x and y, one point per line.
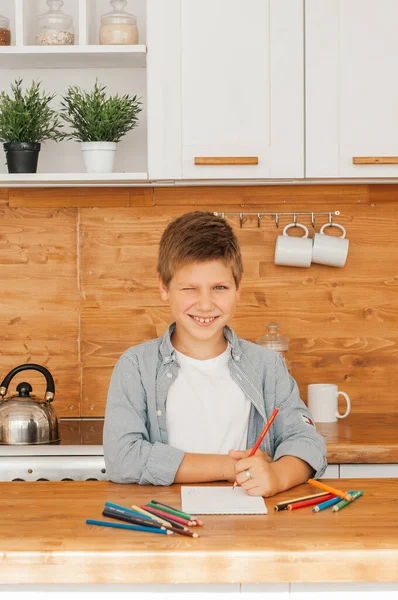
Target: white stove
78	457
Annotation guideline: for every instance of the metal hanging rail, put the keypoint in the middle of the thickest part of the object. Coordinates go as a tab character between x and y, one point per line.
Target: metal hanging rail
277	215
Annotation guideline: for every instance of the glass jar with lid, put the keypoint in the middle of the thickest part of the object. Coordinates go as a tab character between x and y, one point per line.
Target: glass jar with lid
118	26
55	27
272	339
5	31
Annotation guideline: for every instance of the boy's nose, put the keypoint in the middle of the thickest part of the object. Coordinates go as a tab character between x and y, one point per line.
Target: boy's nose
205	302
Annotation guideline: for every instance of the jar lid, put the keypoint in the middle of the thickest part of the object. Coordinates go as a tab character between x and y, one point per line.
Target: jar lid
54	16
118	15
4	22
273	339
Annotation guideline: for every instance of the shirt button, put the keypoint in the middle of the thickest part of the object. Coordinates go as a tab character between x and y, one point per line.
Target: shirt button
159	413
169	374
237	358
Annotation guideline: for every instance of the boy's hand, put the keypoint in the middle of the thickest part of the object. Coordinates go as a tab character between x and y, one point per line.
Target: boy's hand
264	480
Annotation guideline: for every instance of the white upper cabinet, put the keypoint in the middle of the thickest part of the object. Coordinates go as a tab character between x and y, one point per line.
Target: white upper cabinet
351	88
225	86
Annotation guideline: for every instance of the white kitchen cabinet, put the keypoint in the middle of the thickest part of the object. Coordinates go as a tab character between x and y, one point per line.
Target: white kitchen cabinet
332	472
225	84
351	88
364	471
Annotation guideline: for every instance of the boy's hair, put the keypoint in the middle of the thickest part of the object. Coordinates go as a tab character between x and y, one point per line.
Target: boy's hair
198	237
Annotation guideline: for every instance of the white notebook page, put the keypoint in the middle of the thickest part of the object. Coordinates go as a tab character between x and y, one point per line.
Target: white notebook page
220	500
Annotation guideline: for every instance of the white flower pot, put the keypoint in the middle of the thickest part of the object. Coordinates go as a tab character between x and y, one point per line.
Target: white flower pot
98	156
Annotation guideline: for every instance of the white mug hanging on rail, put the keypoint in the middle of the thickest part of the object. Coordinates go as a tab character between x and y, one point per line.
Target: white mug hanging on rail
293	251
328	249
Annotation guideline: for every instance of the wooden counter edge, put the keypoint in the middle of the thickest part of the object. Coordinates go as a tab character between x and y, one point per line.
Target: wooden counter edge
105	568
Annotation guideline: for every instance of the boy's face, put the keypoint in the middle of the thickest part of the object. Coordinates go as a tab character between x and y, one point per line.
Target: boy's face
202	298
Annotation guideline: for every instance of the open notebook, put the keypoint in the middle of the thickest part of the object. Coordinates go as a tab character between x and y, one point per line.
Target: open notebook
220	500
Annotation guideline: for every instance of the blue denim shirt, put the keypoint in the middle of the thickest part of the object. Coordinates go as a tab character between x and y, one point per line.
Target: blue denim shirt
136	448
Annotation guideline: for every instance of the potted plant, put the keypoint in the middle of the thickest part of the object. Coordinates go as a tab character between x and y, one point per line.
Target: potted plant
26	120
99	122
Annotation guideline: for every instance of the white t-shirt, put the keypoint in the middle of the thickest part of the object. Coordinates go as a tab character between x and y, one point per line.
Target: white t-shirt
206	411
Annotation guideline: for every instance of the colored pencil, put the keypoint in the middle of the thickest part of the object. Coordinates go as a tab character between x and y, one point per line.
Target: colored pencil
131	527
165	521
150	515
330	489
124	509
328	503
261	437
344	503
283	505
168	517
115	514
146	522
173	511
308	502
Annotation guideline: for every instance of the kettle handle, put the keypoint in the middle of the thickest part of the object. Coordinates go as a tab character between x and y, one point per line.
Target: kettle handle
50	391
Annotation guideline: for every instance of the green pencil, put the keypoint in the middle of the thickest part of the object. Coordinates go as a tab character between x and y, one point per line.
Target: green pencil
344	503
169	509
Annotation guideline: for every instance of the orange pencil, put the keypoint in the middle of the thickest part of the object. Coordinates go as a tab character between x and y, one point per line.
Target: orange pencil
330	489
261	437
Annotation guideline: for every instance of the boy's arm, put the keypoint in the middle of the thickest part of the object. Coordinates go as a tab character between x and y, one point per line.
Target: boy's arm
205	467
129	455
291	471
295	432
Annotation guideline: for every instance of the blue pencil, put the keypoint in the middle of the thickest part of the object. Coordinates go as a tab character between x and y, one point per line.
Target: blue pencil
131	527
328	503
134	513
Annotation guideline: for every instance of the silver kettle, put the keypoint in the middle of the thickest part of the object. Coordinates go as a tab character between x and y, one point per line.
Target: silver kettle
24	420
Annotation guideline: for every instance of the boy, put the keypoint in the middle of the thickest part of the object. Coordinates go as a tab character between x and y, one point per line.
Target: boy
188	407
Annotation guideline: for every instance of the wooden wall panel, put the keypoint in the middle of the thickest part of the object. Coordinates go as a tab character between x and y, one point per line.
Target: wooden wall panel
39	316
90	301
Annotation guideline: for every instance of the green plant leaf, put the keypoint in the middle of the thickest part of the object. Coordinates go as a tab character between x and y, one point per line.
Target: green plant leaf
94	117
27	116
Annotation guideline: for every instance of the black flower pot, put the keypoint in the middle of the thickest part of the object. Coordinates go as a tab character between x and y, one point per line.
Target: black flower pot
22	157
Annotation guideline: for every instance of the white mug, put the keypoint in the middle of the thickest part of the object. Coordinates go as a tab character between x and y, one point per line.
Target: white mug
322	402
293	251
328	249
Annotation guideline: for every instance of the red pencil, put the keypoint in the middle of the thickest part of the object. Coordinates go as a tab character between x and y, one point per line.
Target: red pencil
168	516
309	502
261	437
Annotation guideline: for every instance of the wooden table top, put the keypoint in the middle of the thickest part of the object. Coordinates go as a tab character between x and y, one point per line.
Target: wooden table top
45	538
362	438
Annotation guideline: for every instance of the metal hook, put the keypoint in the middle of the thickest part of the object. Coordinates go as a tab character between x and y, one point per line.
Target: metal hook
223	215
258	220
330	219
295	219
241	219
313	220
277	219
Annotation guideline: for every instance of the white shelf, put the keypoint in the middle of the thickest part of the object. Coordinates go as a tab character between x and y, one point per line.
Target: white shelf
51	57
72	179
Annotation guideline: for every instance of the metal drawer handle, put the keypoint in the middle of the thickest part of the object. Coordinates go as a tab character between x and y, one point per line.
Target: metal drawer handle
226	160
375	160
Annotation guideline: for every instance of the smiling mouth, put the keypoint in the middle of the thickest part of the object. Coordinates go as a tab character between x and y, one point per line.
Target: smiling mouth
203	319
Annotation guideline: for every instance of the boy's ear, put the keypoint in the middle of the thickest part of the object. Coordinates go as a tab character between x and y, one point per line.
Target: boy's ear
238	290
164	294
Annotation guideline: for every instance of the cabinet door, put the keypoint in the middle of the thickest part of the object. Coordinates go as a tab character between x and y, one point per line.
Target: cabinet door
235	74
351	89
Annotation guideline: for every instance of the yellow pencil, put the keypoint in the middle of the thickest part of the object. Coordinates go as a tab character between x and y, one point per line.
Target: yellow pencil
144	512
330	489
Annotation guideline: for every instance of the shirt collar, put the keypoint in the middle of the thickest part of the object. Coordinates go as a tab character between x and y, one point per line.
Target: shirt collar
168	352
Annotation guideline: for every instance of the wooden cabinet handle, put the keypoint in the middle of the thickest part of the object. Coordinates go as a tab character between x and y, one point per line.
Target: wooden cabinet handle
226	160
375	160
